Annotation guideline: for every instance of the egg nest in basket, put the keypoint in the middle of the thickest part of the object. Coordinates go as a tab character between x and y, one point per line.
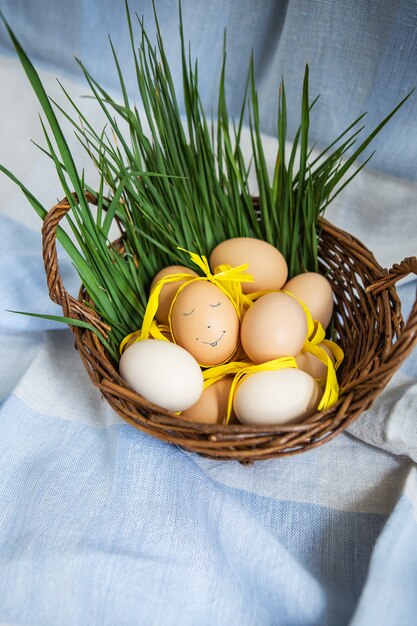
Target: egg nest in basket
184	186
368	325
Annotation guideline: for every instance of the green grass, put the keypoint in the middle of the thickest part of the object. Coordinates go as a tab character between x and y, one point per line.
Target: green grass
183	184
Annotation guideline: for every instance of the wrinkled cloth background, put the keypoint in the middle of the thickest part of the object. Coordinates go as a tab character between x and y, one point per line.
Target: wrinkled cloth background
101	524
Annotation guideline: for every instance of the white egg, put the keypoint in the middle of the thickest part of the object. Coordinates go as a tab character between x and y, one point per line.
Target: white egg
276	397
163	373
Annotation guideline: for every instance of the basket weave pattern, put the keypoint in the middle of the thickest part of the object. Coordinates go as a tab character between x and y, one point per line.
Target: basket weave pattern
369	327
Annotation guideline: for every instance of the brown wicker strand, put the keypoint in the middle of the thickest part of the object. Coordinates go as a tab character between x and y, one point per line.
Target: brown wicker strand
57	292
397	271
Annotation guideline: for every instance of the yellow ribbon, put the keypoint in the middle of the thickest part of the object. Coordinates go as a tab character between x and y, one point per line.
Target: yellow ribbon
228	279
331	389
156	331
335	350
316	335
240	369
152	306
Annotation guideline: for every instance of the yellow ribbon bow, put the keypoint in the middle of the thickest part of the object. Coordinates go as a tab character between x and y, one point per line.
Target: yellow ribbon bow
227	278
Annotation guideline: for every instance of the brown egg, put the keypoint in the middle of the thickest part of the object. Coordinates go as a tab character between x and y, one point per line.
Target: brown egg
316	293
274	326
266	264
205	322
168	291
211	408
311	364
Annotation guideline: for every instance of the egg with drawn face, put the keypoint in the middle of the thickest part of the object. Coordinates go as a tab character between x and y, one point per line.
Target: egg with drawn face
205	322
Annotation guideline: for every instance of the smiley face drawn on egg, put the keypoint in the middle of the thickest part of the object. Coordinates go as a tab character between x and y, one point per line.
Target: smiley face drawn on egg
216	341
204	322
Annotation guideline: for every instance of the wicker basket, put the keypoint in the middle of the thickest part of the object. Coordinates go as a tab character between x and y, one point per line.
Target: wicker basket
368	324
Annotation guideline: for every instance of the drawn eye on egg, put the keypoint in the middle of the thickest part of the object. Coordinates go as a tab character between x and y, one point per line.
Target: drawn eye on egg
214	306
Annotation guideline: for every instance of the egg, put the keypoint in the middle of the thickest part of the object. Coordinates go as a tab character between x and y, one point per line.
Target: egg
311	364
274	326
276	397
266	264
211	408
315	291
169	290
163	373
205	322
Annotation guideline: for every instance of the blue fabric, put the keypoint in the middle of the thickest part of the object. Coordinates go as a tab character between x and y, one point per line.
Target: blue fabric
362	56
124	529
102	524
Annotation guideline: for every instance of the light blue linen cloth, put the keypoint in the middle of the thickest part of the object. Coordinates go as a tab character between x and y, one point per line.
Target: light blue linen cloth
101	524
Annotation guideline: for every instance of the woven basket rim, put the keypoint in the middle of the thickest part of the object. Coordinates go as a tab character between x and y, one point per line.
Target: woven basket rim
228	441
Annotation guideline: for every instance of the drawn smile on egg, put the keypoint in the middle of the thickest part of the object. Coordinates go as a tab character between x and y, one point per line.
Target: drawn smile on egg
213	343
